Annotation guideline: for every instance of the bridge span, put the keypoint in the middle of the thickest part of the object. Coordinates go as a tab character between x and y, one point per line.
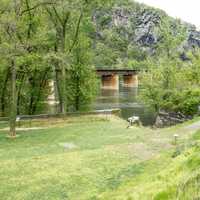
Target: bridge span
110	78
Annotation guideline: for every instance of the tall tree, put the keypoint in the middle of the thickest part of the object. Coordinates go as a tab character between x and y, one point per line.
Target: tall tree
81	78
9	22
65	17
17	27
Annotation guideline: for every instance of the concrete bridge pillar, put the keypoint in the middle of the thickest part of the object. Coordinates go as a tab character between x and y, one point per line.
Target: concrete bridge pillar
130	80
52	96
110	82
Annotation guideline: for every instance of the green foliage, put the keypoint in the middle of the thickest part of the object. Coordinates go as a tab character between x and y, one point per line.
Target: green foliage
166	84
134	52
193	69
105	20
172	34
46	42
81	82
40	40
184	101
172	85
27	46
102	59
119	33
190	101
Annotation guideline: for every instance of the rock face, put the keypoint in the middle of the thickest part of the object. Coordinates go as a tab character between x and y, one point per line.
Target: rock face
165	119
139	25
193	39
136	26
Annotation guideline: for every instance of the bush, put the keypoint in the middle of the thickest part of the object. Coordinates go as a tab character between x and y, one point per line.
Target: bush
190	101
186	101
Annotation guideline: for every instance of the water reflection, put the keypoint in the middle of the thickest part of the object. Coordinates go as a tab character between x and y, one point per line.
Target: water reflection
125	99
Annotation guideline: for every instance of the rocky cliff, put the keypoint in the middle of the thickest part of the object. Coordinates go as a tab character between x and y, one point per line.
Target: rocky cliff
127	30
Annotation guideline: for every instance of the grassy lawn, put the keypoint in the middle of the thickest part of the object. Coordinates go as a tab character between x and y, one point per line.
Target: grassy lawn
95	158
3	124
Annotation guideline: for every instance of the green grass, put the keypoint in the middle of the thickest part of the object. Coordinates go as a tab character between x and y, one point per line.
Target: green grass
108	162
3	124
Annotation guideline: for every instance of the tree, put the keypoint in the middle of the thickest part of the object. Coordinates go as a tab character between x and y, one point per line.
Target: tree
164	76
192	69
172	34
10	24
18	44
63	15
81	82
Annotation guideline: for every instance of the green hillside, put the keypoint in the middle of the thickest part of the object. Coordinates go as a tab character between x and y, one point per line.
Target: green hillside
127	34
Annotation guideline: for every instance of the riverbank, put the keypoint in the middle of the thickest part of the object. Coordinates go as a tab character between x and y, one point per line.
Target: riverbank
99	158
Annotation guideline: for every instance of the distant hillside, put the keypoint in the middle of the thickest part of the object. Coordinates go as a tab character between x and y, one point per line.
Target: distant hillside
126	33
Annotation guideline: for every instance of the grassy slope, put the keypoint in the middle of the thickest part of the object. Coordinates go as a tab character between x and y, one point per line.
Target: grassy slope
109	162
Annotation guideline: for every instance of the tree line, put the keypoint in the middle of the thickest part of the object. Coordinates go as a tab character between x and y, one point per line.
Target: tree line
51	40
171	84
43	41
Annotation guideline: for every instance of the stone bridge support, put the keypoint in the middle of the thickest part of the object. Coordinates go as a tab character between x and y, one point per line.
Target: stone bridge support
52	96
110	82
130	80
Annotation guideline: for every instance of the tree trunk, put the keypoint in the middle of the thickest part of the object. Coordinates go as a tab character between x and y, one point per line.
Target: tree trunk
42	85
58	80
4	92
63	75
32	82
63	83
21	80
13	106
77	98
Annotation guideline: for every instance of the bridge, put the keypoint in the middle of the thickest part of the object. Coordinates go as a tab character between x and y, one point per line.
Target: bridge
110	78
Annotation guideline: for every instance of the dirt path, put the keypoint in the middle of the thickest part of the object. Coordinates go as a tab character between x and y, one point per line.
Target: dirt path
24	129
160	140
193	127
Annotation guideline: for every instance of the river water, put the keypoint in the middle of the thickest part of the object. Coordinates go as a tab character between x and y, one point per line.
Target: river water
126	99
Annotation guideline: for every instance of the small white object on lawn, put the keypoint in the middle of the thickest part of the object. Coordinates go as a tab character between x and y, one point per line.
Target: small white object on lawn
176	135
68	146
176	138
133	119
17	119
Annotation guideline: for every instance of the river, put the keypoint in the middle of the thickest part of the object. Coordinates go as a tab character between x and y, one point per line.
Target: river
126	100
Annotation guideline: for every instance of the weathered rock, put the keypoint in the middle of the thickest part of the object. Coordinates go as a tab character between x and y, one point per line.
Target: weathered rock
159	122
134	120
165	119
140	24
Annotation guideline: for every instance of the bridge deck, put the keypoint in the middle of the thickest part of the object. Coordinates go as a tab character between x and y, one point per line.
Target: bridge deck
106	72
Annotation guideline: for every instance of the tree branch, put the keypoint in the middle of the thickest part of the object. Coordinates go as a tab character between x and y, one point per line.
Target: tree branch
77	32
57	15
36	6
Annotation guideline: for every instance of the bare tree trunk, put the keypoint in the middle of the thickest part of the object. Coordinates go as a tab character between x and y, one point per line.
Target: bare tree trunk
22	79
63	103
58	81
4	92
13	106
58	88
77	98
42	85
63	73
